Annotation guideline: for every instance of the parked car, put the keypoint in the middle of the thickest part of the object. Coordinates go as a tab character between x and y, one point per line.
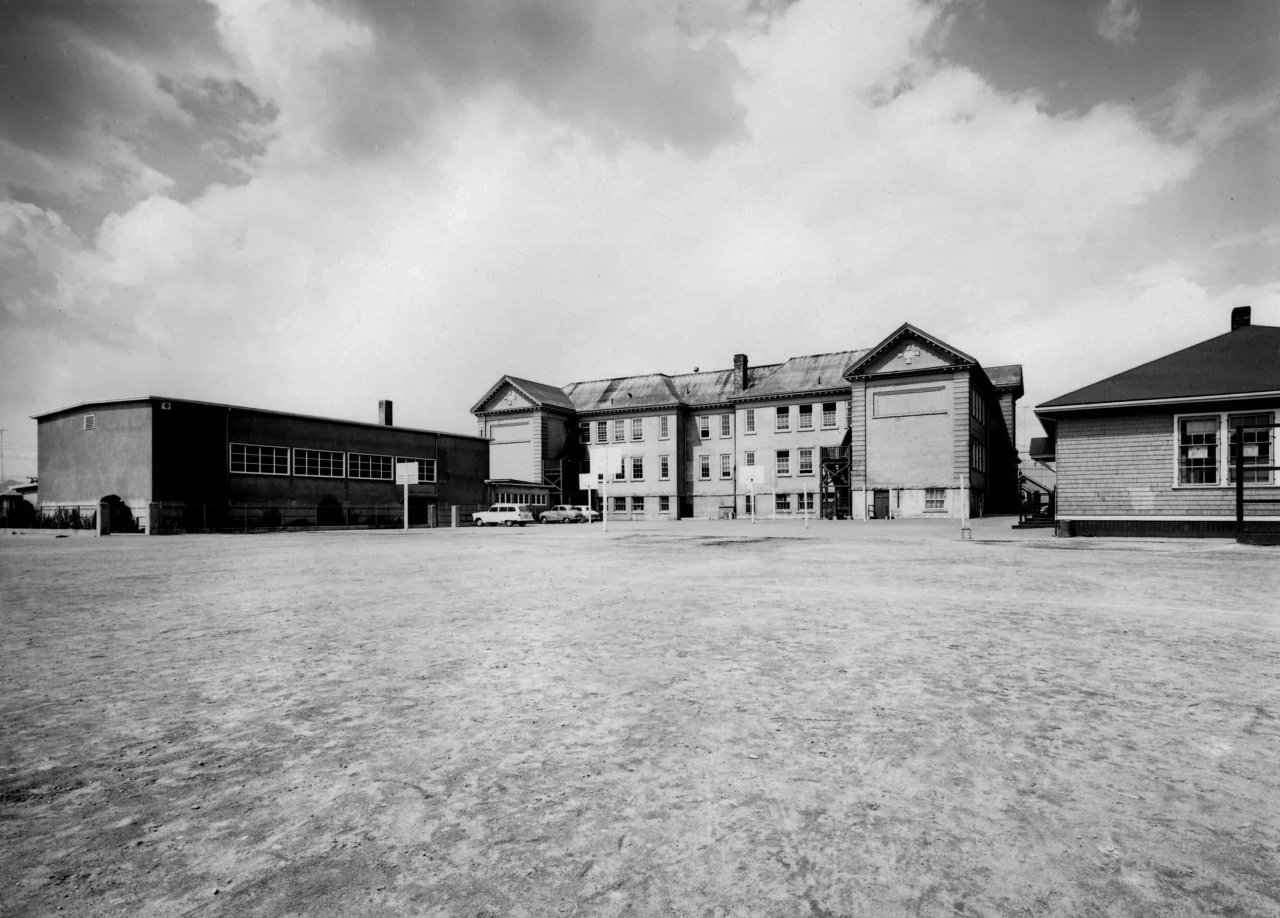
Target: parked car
563	513
506	514
590	516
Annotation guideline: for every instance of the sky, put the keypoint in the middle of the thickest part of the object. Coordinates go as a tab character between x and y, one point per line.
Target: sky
314	205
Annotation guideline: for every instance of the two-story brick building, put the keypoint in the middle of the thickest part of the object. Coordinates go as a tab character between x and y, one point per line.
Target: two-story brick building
909	427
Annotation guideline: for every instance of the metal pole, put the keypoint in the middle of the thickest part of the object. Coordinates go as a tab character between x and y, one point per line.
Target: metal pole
406	505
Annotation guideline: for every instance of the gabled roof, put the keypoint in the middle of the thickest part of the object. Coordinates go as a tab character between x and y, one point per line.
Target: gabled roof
906	330
814	373
1006	377
536	392
1245	361
643	391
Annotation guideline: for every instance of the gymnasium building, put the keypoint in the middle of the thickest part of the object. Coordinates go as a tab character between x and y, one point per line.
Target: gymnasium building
909	427
179	464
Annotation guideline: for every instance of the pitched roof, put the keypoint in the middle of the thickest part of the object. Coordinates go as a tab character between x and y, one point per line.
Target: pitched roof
536	392
1006	377
1244	361
906	329
814	373
643	391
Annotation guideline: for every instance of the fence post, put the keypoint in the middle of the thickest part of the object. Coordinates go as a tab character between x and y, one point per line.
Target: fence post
453	516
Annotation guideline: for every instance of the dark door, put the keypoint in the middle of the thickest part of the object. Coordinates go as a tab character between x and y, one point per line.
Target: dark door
881	504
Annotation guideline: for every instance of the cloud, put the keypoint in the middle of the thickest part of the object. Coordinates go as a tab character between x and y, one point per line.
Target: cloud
1117	22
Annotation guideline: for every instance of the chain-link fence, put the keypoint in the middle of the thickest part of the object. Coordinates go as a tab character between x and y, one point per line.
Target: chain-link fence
285	516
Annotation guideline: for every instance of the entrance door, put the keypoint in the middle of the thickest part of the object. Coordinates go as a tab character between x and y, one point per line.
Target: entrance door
880	502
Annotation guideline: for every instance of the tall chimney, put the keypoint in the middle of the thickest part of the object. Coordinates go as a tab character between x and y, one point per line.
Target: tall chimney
384	412
1240	317
739	372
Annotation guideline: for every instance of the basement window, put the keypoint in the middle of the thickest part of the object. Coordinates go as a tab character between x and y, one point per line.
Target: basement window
90	421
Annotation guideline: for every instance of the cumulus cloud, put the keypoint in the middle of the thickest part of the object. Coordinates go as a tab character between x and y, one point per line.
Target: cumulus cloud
1118	20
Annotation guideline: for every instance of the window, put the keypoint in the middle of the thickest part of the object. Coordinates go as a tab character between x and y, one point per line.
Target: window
620	473
317	463
751	420
637	468
90	421
977	455
637	428
664	428
935	499
364	465
602	431
584	432
637	505
749	458
619	504
806	417
782	502
664	504
783	462
259	460
804	502
619	431
748	509
704	468
1255	443
1198	450
726	465
704	426
828	415
805	461
426	468
726	428
664	468
782	420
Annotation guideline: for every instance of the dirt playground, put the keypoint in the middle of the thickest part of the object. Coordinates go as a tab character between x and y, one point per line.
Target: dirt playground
686	719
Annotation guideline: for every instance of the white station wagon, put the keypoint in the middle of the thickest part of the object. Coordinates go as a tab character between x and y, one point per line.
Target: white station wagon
506	514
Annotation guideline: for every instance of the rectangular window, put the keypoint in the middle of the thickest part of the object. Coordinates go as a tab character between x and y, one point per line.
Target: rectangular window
805	461
1198	450
782	502
704	468
664	504
426	468
584	432
726	427
1255	437
782	464
619	504
247	459
620	473
828	415
368	466
782	420
804	502
806	417
602	431
637	505
704	426
664	428
90	422
726	465
664	468
751	421
977	455
637	468
318	463
749	458
637	428
619	431
747	508
935	499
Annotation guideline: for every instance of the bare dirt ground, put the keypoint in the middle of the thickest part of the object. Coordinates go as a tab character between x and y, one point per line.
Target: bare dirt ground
703	719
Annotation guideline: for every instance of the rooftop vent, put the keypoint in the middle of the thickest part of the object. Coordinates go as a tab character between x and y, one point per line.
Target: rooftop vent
384	412
1240	317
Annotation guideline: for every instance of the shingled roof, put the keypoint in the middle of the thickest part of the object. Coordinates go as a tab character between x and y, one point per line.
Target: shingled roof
815	373
1244	361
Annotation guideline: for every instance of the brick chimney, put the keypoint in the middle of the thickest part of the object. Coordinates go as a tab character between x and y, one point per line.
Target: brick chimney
739	372
1240	317
384	412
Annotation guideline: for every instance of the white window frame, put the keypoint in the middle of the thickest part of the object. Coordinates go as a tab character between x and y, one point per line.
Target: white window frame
637	468
804	416
782	463
637	503
664	468
749	457
637	429
704	427
1223	460
426	468
782	502
584	431
300	466
360	467
726	426
602	431
664	503
935	500
726	465
664	427
782	419
800	469
704	467
288	453
89	422
835	422
750	422
619	430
